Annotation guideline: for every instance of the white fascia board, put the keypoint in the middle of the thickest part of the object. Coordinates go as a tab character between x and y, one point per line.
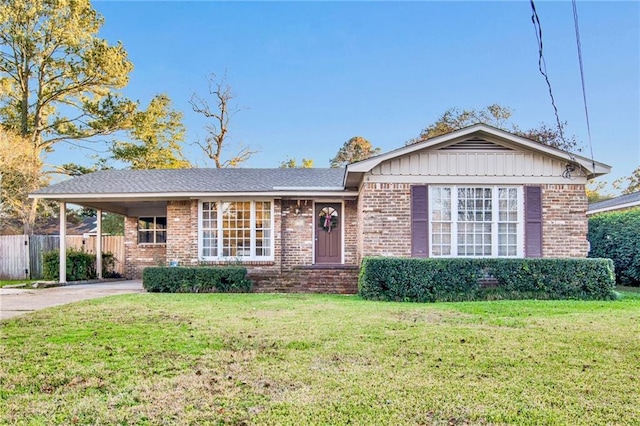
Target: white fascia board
476	180
311	188
192	195
614	208
367	165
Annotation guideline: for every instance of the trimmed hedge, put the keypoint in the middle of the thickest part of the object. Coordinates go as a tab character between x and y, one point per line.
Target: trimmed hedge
456	279
201	279
616	235
80	265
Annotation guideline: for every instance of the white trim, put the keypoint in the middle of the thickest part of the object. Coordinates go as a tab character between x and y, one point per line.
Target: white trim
614	208
164	196
309	188
495	221
473	180
481	129
99	243
252	231
63	244
342	230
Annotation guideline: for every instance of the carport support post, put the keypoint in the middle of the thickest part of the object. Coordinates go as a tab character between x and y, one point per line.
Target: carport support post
99	244
63	243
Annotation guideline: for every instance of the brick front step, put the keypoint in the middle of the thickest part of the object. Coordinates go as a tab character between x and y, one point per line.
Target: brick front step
326	279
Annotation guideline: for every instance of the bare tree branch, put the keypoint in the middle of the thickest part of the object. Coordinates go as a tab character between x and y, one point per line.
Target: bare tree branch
219	115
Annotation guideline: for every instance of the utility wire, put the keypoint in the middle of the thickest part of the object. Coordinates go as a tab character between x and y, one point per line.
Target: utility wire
542	66
584	92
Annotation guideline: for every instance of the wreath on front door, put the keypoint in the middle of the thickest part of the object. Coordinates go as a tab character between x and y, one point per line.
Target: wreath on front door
328	219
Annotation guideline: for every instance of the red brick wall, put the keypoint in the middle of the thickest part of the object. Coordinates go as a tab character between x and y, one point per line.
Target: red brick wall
340	280
182	232
139	256
351	232
385	220
565	224
384	216
297	233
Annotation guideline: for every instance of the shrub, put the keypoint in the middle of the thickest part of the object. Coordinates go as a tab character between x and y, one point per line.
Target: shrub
552	278
418	280
430	280
616	235
80	265
228	279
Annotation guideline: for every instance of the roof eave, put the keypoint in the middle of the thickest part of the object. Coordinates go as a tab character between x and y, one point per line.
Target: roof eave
613	208
593	168
153	196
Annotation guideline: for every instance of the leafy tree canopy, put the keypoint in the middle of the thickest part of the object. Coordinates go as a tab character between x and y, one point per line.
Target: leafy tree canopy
291	163
595	191
19	175
497	116
355	149
629	184
157	134
57	77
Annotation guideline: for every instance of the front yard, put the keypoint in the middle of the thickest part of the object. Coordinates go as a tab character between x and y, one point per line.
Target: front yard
311	359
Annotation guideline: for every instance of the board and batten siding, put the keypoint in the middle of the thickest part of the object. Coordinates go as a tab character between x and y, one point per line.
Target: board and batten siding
442	163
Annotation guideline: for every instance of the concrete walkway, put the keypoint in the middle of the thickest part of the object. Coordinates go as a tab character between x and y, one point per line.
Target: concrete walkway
15	301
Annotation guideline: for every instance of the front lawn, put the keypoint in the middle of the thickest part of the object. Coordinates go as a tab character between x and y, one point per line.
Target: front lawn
312	359
14	282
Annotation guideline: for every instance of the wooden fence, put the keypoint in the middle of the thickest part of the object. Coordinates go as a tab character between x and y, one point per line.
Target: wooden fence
21	255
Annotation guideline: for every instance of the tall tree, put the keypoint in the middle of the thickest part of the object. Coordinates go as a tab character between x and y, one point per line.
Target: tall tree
20	174
497	116
58	79
57	76
629	184
157	134
219	116
291	163
355	149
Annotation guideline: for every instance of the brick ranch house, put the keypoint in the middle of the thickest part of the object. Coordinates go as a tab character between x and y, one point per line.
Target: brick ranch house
477	192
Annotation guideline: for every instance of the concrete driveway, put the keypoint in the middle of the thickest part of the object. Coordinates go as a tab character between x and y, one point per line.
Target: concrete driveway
14	301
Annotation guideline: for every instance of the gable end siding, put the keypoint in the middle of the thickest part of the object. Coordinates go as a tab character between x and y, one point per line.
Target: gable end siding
533	221
419	221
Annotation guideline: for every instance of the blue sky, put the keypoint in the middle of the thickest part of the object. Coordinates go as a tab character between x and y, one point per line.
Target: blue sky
310	75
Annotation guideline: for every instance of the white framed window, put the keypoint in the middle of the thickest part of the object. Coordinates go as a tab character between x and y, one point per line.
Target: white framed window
230	229
476	221
152	230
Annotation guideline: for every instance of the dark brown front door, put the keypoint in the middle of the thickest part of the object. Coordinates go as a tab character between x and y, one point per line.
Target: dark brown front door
328	221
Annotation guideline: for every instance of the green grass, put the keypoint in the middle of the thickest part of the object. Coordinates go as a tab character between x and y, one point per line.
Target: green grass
13	282
312	359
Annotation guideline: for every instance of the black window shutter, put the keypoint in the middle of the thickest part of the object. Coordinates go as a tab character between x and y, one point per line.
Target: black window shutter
533	221
419	221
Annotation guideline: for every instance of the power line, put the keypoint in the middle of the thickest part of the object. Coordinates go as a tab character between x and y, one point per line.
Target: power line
542	66
584	92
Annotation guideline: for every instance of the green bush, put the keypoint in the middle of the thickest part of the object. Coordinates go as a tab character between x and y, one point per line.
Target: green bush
201	279
552	278
418	280
616	235
80	265
456	279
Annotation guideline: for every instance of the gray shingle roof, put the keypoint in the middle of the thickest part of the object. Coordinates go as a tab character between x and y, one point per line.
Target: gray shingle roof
617	201
198	180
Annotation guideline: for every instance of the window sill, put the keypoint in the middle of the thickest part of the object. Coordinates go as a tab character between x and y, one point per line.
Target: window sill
151	245
232	262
